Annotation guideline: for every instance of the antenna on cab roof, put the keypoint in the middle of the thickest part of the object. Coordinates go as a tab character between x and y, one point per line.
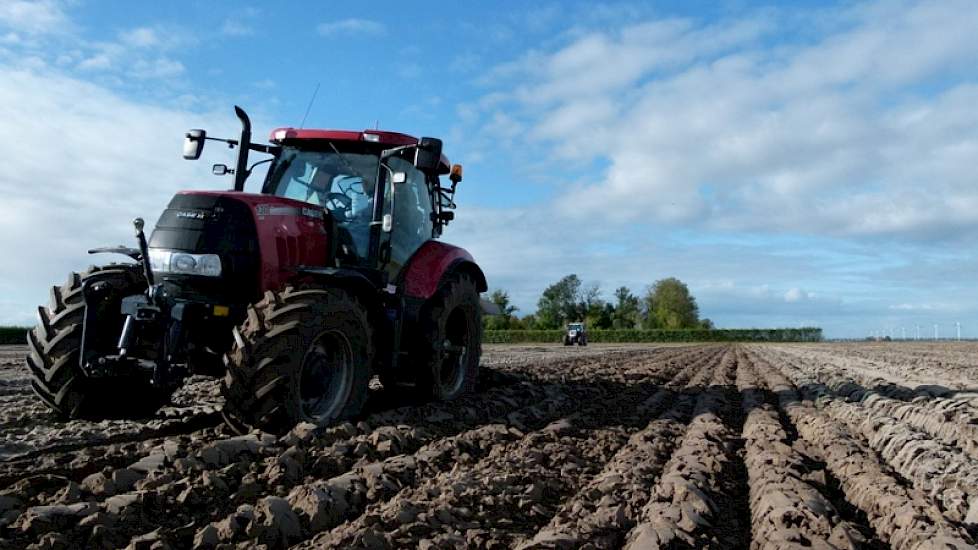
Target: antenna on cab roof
311	100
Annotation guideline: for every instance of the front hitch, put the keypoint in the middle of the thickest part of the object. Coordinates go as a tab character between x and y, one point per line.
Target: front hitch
146	313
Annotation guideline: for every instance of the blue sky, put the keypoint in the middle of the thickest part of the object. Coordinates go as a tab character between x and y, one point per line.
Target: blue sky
811	166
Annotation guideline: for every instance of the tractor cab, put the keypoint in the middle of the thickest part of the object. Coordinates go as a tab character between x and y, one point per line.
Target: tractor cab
374	226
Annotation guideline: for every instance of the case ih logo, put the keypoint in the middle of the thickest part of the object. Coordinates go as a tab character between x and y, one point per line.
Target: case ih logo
191	214
277	210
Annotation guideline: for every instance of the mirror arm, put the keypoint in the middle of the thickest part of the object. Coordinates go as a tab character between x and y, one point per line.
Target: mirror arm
252	167
230	142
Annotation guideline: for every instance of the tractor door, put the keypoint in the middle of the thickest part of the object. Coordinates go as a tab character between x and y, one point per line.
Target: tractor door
410	206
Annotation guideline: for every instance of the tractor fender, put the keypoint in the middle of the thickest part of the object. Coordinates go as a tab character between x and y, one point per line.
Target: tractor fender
350	279
432	263
133	253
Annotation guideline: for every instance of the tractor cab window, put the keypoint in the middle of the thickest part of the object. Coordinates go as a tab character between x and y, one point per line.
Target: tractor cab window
343	184
412	212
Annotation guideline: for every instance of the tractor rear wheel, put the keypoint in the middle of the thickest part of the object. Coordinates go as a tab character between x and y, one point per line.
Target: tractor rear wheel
301	356
451	326
55	343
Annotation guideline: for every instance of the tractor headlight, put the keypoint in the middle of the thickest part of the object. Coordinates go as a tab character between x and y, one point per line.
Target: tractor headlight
172	261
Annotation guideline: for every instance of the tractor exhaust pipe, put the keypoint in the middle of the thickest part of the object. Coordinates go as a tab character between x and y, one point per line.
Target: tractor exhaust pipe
244	143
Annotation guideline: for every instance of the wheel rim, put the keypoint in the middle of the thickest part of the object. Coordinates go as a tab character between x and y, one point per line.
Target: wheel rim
326	378
456	352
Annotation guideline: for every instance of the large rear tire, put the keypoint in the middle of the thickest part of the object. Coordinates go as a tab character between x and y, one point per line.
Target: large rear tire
55	344
300	356
451	324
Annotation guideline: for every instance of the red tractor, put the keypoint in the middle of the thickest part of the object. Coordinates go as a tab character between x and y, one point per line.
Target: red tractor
296	295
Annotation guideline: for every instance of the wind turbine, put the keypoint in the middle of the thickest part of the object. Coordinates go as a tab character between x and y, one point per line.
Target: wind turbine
935	331
958	324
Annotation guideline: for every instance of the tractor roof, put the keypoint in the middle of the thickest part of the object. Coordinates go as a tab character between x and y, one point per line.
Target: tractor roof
383	137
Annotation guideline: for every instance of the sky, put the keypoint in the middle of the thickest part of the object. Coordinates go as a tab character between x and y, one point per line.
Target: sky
811	166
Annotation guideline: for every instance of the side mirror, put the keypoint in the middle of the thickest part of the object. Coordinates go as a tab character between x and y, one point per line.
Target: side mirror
219	169
428	154
193	144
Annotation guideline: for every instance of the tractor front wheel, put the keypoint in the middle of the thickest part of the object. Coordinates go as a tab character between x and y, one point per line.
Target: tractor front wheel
55	344
451	323
301	356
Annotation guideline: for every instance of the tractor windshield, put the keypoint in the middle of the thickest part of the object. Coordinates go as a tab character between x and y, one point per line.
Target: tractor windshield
574	326
341	182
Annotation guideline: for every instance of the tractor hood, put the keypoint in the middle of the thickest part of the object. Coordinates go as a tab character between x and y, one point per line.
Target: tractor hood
260	239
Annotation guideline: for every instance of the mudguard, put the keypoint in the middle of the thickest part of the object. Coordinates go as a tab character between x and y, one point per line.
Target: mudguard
133	253
355	280
430	264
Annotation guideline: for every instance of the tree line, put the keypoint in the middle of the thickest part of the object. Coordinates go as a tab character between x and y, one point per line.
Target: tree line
666	304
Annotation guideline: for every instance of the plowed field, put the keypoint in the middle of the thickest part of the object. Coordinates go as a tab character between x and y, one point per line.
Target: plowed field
699	446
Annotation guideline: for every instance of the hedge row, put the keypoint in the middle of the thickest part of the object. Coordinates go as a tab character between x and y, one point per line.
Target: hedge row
810	334
13	335
17	335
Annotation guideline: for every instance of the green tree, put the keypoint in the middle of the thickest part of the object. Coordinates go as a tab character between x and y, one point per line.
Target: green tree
707	324
627	312
602	318
671	306
504	320
589	304
559	303
647	318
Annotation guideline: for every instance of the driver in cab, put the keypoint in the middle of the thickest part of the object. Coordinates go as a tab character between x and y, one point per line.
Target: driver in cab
349	199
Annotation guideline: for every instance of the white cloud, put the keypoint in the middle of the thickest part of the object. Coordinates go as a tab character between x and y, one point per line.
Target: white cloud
798	295
141	37
912	307
522	250
233	27
97	62
241	22
409	70
350	26
33	16
80	163
866	129
159	68
143	52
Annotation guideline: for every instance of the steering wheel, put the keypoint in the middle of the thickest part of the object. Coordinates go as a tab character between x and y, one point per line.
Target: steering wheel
351	187
339	205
